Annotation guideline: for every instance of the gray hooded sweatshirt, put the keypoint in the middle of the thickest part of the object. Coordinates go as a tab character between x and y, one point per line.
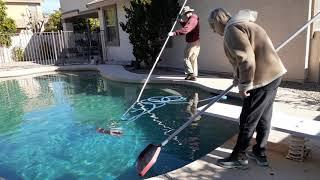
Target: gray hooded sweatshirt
251	52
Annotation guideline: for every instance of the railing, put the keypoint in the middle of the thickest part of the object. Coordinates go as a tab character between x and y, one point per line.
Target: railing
52	48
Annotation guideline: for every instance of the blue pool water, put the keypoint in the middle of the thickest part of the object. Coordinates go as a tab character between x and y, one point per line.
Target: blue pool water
48	128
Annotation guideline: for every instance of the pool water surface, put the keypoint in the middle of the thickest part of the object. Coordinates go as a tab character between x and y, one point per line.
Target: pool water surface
48	127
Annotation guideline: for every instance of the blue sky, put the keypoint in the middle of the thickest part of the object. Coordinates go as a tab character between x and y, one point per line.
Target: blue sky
50	5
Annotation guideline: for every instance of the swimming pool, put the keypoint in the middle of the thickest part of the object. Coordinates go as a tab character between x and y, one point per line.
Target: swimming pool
48	128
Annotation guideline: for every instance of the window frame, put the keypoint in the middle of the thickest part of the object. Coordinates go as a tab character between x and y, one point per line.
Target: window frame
115	42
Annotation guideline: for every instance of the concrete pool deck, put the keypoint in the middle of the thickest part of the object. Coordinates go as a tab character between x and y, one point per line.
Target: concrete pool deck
205	167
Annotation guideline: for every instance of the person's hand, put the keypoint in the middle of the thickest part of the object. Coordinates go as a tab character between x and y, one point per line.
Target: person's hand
244	94
171	34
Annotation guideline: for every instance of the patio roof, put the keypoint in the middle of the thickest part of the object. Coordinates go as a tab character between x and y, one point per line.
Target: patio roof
24	1
69	14
92	13
99	3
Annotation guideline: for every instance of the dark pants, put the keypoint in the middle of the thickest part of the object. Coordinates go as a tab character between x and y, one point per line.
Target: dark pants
256	115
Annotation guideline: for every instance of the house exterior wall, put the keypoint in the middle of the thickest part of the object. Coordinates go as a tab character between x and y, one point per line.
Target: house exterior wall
316	9
18	11
279	18
314	57
70	5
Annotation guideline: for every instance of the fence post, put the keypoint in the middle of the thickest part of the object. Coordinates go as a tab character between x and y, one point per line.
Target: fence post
59	41
54	47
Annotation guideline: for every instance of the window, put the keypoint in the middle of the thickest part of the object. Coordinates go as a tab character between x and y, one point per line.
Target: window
111	30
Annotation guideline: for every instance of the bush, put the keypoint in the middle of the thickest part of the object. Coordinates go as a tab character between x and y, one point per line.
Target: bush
18	54
7	26
148	23
54	22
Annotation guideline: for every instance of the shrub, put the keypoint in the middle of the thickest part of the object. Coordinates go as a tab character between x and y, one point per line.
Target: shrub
148	23
18	54
7	26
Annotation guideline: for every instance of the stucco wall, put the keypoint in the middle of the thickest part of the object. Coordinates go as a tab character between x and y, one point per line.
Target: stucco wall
314	64
70	5
279	18
315	11
18	12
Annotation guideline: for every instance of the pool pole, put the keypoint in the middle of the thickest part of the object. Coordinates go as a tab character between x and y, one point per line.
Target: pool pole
298	32
155	63
164	45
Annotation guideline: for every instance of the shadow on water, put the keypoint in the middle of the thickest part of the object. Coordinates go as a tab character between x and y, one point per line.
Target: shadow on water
8	173
68	177
164	164
195	143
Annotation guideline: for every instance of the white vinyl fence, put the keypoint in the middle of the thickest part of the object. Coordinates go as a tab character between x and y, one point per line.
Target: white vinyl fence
52	48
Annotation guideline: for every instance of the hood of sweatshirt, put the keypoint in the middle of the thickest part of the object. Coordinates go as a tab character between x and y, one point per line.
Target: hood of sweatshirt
245	15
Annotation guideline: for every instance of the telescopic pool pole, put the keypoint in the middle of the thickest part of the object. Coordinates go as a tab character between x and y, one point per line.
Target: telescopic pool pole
164	45
156	61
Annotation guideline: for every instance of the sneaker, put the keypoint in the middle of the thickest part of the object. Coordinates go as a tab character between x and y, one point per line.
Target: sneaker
261	160
230	162
188	77
193	78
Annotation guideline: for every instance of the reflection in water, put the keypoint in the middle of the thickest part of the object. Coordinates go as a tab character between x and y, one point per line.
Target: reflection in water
147	106
20	96
11	106
193	139
30	87
193	105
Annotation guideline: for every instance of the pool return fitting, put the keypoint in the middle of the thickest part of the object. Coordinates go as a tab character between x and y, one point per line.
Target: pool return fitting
149	155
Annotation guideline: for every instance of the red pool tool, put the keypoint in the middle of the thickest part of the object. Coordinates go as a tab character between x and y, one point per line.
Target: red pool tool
150	154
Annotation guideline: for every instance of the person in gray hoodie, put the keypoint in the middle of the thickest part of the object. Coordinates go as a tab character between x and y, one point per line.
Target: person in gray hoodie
258	71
